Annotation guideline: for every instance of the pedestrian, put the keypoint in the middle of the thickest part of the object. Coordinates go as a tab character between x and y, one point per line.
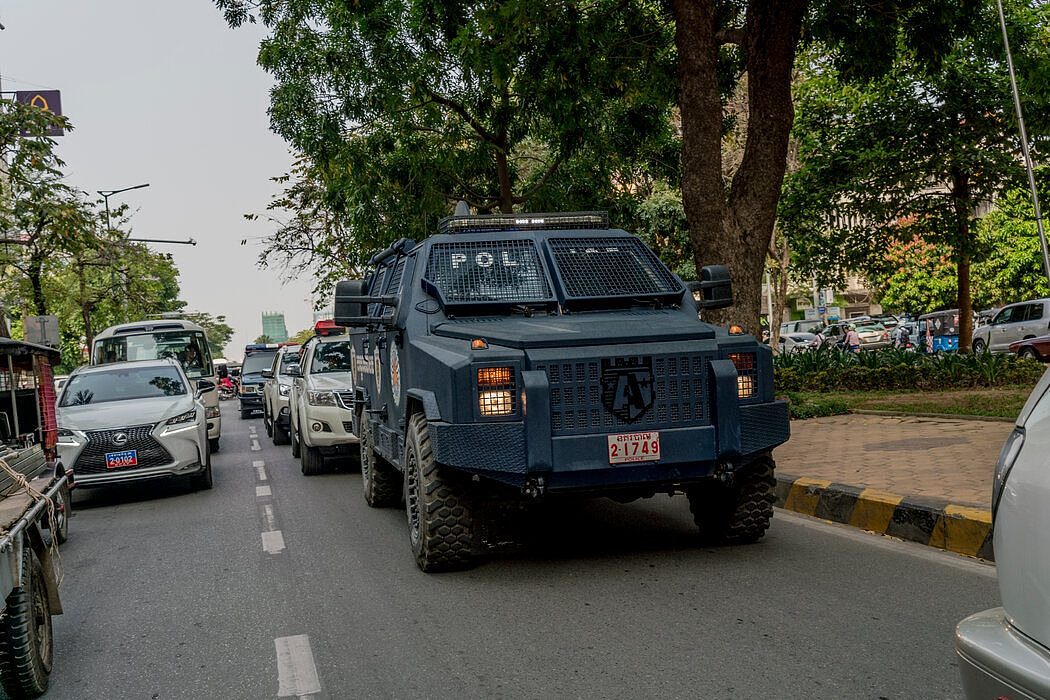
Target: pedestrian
852	339
819	338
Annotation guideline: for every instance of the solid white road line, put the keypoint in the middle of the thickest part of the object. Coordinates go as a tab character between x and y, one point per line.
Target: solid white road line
262	491
296	671
273	542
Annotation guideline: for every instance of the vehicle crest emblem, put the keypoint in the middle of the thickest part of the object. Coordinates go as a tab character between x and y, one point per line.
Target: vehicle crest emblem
120	439
628	389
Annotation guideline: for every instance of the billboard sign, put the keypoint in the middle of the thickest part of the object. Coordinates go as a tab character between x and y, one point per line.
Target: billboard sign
42	330
51	100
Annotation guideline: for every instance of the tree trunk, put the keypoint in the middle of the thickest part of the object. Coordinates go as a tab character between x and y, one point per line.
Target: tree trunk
736	230
36	279
961	196
506	196
779	279
85	308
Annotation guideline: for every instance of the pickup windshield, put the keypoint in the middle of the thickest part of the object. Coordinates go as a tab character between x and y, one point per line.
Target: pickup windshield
333	357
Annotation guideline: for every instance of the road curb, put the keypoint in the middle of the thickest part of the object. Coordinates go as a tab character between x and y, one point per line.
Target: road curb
953	416
957	527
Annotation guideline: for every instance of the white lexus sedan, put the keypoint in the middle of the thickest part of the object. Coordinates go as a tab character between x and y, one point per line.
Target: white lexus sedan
130	421
1005	652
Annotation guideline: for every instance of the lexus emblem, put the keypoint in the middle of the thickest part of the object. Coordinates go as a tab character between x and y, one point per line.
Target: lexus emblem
120	439
628	389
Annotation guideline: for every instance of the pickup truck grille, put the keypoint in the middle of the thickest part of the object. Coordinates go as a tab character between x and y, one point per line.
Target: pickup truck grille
577	407
150	452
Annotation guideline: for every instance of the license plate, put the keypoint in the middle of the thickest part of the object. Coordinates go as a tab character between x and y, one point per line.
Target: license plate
634	447
117	460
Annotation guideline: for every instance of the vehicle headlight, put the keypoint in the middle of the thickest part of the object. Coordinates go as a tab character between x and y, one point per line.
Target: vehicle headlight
67	436
320	398
1007	457
284	389
183	417
65	432
211	412
496	391
747	373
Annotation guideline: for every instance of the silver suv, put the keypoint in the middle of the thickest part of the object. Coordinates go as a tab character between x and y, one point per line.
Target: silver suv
1027	319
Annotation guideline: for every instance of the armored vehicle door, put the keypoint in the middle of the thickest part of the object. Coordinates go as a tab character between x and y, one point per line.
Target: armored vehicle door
382	345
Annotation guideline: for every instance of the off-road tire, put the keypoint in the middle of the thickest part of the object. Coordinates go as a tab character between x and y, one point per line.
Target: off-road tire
440	515
26	639
203	480
978	346
312	461
63	509
213	444
1030	353
380	481
737	514
295	440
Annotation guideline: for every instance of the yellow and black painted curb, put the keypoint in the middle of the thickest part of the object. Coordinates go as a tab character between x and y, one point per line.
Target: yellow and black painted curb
960	528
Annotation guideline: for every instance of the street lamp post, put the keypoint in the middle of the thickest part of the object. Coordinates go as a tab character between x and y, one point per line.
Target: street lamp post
106	194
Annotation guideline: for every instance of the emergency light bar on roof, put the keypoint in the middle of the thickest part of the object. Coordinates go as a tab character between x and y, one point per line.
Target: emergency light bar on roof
524	222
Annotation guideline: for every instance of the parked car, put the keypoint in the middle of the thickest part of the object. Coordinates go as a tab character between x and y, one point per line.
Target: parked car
1035	348
60	381
872	335
1013	322
1005	652
797	342
276	389
129	421
322	402
800	327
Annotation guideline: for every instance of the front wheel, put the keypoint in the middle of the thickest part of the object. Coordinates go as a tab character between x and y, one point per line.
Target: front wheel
213	444
312	461
296	441
439	508
740	513
203	480
380	481
268	422
978	346
1030	353
26	651
245	413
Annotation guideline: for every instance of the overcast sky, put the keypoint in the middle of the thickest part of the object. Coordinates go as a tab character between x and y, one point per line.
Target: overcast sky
167	93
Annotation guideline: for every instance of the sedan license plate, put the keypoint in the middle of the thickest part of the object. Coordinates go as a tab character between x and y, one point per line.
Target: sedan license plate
634	447
117	460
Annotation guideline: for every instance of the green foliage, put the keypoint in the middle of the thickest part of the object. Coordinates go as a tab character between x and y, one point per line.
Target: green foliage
661	223
803	405
263	339
1013	270
218	331
302	336
830	369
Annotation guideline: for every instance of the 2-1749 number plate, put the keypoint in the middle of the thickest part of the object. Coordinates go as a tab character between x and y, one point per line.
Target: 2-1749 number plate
634	447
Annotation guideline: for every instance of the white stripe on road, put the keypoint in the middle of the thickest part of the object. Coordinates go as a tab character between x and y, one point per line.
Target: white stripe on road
262	473
273	542
271	522
255	445
258	463
296	671
262	491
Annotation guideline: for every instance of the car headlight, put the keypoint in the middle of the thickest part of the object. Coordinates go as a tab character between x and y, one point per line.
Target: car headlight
65	432
320	398
496	391
183	417
284	389
1007	457
212	412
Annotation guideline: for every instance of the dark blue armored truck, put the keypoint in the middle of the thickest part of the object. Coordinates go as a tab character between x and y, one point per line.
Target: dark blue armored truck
542	354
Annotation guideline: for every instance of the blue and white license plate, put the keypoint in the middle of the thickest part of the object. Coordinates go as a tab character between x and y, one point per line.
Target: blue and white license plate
118	460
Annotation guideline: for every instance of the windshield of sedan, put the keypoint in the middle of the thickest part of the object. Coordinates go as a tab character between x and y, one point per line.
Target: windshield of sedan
332	357
122	384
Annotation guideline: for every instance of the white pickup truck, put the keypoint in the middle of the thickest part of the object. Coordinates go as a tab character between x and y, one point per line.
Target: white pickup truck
322	403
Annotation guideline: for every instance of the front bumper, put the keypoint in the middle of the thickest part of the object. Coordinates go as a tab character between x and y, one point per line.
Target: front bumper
187	456
509	453
281	411
336	429
996	660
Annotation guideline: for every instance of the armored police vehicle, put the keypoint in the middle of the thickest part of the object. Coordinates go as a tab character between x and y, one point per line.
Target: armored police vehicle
547	354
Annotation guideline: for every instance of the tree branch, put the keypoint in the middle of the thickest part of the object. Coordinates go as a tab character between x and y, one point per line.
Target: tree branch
459	109
731	35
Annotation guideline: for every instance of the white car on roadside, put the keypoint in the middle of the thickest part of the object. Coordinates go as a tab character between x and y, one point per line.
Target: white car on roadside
276	391
322	402
132	421
1005	652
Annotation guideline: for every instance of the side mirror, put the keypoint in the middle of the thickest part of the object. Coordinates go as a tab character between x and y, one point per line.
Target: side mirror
293	371
267	374
204	386
715	288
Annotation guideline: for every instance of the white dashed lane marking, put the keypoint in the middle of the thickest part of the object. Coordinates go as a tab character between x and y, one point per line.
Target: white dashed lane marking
263	491
255	445
296	671
273	542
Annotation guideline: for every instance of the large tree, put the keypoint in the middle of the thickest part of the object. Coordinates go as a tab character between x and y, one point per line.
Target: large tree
911	156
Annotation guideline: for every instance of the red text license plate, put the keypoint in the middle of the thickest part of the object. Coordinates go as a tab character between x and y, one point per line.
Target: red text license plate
634	447
117	460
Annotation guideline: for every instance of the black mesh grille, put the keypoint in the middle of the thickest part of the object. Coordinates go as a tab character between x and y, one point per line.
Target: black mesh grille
150	452
488	271
604	267
577	408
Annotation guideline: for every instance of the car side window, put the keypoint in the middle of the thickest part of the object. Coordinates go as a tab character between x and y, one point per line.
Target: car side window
1035	311
1004	316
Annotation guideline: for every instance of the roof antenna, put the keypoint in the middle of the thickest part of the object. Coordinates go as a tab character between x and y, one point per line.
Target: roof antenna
462	208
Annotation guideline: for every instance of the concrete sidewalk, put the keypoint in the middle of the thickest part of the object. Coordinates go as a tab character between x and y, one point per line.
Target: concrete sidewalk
922	479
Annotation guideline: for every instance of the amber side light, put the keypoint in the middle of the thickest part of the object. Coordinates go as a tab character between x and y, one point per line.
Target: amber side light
736	330
479	344
495	376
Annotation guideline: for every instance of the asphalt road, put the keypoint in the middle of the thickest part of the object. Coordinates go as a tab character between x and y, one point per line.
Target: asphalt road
171	593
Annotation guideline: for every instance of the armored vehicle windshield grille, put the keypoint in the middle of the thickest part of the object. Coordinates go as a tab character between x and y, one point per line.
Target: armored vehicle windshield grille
610	267
593	396
488	272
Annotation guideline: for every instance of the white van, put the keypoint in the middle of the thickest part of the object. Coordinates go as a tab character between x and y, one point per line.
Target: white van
178	339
